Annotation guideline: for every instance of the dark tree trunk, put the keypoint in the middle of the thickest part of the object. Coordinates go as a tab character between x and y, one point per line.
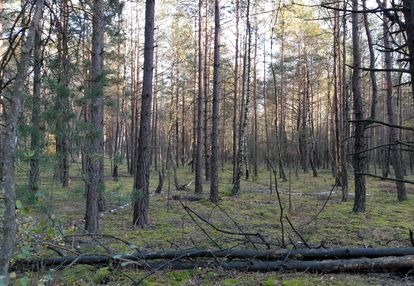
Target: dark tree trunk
359	140
62	124
141	180
94	156
206	96
235	93
395	155
9	145
214	179
34	173
198	185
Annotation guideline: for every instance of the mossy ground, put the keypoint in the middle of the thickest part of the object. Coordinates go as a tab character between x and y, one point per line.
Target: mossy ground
57	211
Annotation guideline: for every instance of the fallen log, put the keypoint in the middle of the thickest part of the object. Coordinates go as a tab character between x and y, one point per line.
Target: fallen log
340	265
253	255
187	198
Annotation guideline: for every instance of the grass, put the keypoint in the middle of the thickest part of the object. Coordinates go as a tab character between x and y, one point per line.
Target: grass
57	211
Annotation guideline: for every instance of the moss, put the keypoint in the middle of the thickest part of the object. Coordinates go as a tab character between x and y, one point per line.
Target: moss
295	282
270	281
231	282
102	276
77	275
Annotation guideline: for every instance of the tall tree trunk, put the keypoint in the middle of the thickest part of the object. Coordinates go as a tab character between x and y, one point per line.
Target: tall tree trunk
214	180
176	113
335	102
12	114
34	173
265	106
183	134
155	141
117	135
255	133
245	104
62	124
235	92
395	155
94	157
281	140
372	73
195	103
198	185
141	180
344	111
359	140
206	93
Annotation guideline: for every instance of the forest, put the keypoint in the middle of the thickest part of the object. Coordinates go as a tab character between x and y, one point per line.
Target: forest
209	142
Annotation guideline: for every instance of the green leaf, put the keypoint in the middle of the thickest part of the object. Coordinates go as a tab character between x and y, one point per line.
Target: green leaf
19	204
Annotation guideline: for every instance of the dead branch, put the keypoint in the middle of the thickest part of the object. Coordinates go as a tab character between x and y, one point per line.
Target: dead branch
246	234
340	259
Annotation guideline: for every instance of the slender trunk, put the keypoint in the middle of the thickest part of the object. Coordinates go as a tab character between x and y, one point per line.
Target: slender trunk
94	157
117	138
12	114
235	92
154	150
62	126
198	185
243	122
255	135
141	180
34	173
344	111
335	103
265	103
281	141
176	113
359	140
214	180
195	104
395	155
206	92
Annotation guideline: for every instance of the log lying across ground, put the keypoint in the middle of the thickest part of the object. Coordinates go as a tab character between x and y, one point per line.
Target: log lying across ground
339	259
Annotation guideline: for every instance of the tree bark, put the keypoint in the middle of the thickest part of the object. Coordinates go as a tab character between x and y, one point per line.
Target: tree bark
341	259
214	179
255	125
117	136
245	104
198	185
141	180
235	92
62	123
359	140
94	156
207	166
12	114
35	141
395	155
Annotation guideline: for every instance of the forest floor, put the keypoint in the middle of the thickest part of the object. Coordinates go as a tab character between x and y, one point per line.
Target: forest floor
55	217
